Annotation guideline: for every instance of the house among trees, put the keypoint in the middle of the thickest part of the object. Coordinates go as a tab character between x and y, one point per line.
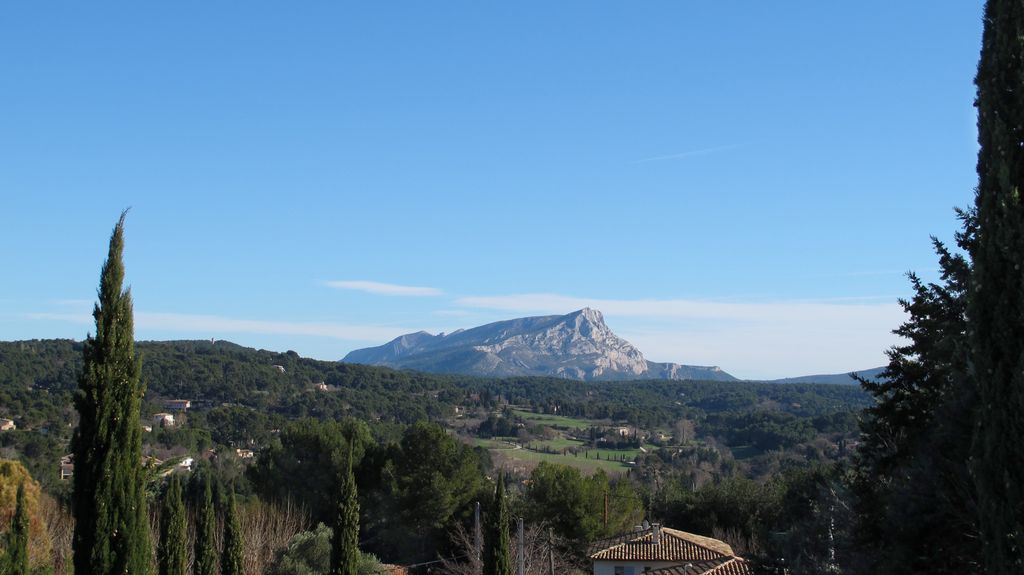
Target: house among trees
663	551
67	467
163	420
177	404
7	425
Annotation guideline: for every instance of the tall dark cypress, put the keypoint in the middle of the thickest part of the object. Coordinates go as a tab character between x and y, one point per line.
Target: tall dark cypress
15	561
111	523
345	542
173	538
205	552
996	301
497	545
231	556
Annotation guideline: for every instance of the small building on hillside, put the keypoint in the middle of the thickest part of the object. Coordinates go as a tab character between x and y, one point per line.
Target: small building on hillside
663	551
177	404
67	467
163	420
7	425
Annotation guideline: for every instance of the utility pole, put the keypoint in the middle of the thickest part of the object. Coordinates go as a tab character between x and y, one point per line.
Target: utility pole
477	541
521	550
551	551
606	511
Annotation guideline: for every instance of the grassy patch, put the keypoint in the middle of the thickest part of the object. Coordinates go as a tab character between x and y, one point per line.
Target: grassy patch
745	451
581	463
553	420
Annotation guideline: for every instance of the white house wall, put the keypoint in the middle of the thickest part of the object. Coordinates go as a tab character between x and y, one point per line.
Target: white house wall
608	567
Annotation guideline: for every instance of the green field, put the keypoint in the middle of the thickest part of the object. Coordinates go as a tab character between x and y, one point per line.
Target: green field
588	461
581	463
553	420
745	451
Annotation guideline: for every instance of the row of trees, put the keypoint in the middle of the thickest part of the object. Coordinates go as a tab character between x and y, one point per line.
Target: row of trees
111	534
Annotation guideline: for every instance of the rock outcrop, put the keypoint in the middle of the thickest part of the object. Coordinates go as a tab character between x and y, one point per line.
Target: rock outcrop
577	346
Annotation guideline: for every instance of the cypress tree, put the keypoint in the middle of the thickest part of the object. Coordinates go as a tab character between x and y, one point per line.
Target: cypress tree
996	301
205	553
345	541
497	546
16	558
111	523
231	557
173	538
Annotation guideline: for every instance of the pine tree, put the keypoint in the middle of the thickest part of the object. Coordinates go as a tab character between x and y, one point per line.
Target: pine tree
995	307
231	557
111	522
497	546
173	538
913	495
205	553
345	542
15	561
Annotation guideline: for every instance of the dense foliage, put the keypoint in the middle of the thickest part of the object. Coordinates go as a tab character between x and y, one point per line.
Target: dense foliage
232	553
171	552
996	331
111	521
497	545
205	548
345	544
14	560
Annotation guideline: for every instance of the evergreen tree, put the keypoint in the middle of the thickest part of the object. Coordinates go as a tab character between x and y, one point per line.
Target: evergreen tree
997	289
111	522
497	547
231	557
173	538
913	495
205	552
15	561
345	542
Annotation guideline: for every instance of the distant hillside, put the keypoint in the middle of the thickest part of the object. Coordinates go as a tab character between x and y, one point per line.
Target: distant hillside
833	378
575	346
38	378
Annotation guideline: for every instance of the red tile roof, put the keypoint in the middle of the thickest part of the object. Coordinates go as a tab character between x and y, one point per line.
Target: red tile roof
674	546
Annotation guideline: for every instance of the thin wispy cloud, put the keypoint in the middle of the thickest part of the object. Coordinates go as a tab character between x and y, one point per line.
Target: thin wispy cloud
688	154
82	318
452	313
750	339
784	310
862	273
380	288
198	325
74	303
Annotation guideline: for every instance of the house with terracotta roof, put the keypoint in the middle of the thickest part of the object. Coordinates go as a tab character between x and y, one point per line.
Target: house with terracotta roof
662	551
177	404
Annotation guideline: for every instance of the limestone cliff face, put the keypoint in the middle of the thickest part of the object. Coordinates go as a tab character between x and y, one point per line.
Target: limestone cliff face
577	346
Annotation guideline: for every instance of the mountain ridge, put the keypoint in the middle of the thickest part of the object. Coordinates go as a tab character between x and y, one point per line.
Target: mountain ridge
831	378
578	345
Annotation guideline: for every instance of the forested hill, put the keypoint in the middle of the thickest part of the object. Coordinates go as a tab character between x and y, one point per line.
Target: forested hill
39	376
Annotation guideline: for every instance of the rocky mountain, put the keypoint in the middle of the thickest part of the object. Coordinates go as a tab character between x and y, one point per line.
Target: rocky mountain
576	346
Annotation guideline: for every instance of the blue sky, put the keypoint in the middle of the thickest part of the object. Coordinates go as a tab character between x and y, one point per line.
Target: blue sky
732	184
